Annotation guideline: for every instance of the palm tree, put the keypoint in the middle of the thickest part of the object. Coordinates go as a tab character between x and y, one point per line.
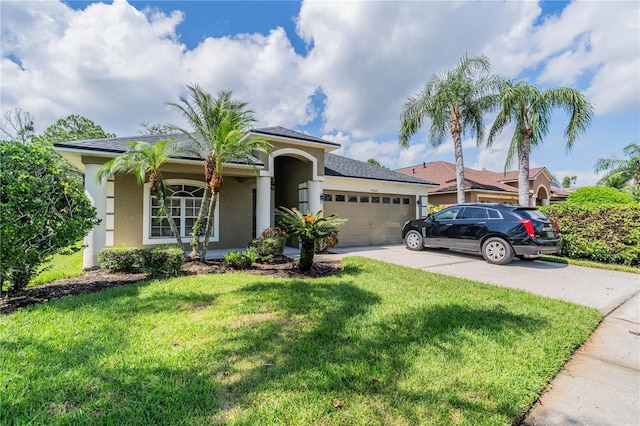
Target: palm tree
455	100
144	161
531	109
309	228
621	171
217	128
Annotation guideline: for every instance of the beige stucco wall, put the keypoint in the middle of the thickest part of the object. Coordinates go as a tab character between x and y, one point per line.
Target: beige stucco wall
236	210
370	223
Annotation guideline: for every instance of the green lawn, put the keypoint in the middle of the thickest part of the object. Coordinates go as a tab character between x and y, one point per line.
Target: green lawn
60	266
383	343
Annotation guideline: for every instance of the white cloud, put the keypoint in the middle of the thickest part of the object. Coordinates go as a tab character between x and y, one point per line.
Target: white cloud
110	63
119	66
368	57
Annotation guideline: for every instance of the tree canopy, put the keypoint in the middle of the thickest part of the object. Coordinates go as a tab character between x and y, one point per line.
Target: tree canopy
72	128
43	210
455	101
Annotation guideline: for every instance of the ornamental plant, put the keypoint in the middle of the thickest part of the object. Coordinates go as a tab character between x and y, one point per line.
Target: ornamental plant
43	211
308	228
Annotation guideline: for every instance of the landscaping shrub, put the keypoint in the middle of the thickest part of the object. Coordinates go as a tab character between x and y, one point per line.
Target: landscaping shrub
157	262
120	259
608	233
239	260
600	195
162	261
43	211
267	249
326	243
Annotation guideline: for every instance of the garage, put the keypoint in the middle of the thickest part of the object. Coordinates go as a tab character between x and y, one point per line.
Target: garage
373	219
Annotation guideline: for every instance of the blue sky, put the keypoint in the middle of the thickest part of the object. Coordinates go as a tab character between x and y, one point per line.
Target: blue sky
337	70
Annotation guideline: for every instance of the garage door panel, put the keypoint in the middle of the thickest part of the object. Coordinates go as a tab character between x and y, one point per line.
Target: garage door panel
370	223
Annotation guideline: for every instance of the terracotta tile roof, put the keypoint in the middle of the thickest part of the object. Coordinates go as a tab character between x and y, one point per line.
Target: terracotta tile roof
444	173
512	175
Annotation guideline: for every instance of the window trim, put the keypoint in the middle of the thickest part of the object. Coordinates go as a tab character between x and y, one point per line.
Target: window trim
146	215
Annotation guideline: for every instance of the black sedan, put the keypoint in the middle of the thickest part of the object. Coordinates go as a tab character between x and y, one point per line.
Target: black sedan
498	231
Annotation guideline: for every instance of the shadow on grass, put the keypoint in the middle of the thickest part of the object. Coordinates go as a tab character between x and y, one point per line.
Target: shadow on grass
323	339
345	353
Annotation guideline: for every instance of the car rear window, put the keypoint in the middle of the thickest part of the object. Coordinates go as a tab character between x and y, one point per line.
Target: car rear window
531	214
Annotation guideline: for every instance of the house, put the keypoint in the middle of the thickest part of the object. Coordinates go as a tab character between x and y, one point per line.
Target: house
485	185
300	172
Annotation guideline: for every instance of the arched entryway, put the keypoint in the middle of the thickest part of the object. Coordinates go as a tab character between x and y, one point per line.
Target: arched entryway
542	196
291	180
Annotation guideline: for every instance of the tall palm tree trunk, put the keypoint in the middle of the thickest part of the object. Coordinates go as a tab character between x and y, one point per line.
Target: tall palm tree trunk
160	193
523	172
456	130
209	224
196	231
172	223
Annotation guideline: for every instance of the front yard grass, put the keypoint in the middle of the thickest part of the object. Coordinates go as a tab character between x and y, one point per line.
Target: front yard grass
376	344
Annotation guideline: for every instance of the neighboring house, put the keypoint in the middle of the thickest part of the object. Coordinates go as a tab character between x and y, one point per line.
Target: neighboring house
300	172
485	185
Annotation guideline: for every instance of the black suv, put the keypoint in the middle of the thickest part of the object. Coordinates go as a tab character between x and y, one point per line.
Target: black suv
498	231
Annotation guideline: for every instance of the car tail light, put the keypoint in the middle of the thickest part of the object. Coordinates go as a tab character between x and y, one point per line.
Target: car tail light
555	223
528	225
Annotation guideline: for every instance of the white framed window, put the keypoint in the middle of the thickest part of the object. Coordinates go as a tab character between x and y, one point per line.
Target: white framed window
185	201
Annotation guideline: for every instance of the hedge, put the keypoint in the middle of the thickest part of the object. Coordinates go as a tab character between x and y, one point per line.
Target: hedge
157	262
608	233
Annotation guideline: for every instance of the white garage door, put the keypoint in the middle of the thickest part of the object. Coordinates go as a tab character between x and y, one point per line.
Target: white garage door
372	218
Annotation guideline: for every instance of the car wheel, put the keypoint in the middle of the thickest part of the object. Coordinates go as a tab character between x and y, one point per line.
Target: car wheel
413	240
498	251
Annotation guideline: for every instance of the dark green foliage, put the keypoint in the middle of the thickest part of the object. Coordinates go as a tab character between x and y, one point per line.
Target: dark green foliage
267	249
157	262
309	228
72	128
120	259
43	210
599	194
162	261
608	233
239	260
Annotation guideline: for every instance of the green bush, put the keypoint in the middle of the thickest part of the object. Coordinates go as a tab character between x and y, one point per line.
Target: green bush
162	261
157	262
239	260
608	233
600	195
43	211
267	249
120	259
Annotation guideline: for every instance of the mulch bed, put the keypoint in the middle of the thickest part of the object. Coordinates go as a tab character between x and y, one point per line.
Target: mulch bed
97	280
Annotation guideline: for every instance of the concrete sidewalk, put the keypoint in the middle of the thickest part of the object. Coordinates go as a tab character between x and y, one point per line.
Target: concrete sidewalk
600	385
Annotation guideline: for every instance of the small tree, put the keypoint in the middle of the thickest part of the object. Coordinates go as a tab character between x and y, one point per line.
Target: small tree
18	126
569	181
72	128
43	211
144	161
309	228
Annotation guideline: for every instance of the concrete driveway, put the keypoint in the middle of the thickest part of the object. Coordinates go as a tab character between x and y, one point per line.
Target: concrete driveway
604	290
600	385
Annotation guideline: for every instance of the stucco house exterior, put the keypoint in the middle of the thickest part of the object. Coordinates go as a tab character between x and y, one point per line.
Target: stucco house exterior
485	185
299	172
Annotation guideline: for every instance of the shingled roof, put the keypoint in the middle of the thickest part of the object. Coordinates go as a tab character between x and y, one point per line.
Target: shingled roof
292	134
336	165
